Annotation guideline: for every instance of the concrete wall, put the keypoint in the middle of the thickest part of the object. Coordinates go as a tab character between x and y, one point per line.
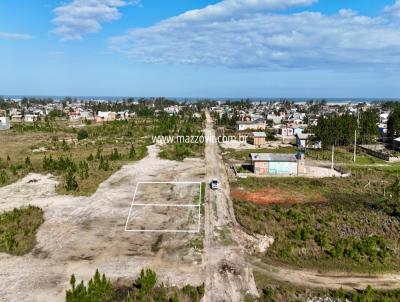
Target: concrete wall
4	123
275	168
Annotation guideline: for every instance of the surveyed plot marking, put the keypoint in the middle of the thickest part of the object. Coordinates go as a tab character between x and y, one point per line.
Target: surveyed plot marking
133	204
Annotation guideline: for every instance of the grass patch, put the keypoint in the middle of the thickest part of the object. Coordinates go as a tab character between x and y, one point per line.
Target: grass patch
18	230
224	236
198	241
343	155
341	224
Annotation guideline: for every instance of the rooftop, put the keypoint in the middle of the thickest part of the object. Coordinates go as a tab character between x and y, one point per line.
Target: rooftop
273	157
259	134
257	121
304	135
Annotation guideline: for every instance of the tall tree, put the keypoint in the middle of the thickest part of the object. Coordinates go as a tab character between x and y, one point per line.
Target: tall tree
368	125
393	124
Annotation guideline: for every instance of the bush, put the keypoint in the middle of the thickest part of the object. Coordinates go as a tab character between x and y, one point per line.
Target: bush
82	134
98	289
18	229
70	183
3	177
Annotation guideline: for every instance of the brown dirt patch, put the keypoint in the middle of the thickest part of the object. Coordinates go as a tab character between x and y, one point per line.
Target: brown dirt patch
274	196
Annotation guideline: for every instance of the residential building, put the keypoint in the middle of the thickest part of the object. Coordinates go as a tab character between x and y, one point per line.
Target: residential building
105	116
258	124
306	141
259	139
277	164
17	118
30	118
285	131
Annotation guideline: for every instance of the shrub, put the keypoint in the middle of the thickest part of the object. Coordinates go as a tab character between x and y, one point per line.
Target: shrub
82	134
70	183
98	289
3	177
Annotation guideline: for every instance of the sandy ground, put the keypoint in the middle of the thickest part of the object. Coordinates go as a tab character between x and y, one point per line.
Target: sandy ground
81	234
320	172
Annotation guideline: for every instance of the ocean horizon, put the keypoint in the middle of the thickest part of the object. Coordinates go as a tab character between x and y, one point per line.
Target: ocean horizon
194	99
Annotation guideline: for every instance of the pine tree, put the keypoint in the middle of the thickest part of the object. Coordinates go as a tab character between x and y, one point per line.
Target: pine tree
132	152
70	183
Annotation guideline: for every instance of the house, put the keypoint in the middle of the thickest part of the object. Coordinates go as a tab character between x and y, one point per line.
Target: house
4	123
30	118
383	117
297	130
122	115
306	141
277	164
285	131
17	118
258	124
274	118
105	116
259	139
74	115
172	110
86	115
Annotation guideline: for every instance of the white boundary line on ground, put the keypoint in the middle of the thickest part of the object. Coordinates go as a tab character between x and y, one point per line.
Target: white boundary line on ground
165	205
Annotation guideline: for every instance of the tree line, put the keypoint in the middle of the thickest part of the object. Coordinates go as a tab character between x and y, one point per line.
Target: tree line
339	130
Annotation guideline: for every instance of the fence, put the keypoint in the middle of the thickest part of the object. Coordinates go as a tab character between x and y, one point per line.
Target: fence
379	151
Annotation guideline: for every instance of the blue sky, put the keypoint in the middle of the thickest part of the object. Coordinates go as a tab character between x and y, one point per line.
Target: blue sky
199	48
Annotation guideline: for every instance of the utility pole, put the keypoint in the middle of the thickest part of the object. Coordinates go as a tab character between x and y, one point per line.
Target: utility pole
333	152
355	136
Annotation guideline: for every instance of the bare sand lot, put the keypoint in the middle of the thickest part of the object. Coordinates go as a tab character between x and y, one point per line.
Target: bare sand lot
82	234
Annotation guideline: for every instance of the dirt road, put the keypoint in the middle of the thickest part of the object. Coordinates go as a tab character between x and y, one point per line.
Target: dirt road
335	280
228	276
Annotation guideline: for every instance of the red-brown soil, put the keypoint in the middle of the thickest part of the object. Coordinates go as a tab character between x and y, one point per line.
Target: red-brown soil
273	196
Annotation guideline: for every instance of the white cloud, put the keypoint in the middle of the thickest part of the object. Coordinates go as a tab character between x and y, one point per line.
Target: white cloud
80	17
393	10
250	34
14	36
232	8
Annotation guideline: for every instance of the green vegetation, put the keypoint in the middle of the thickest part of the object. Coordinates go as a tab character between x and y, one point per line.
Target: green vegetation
84	158
339	130
224	235
187	129
144	289
393	124
343	155
274	291
18	229
330	223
